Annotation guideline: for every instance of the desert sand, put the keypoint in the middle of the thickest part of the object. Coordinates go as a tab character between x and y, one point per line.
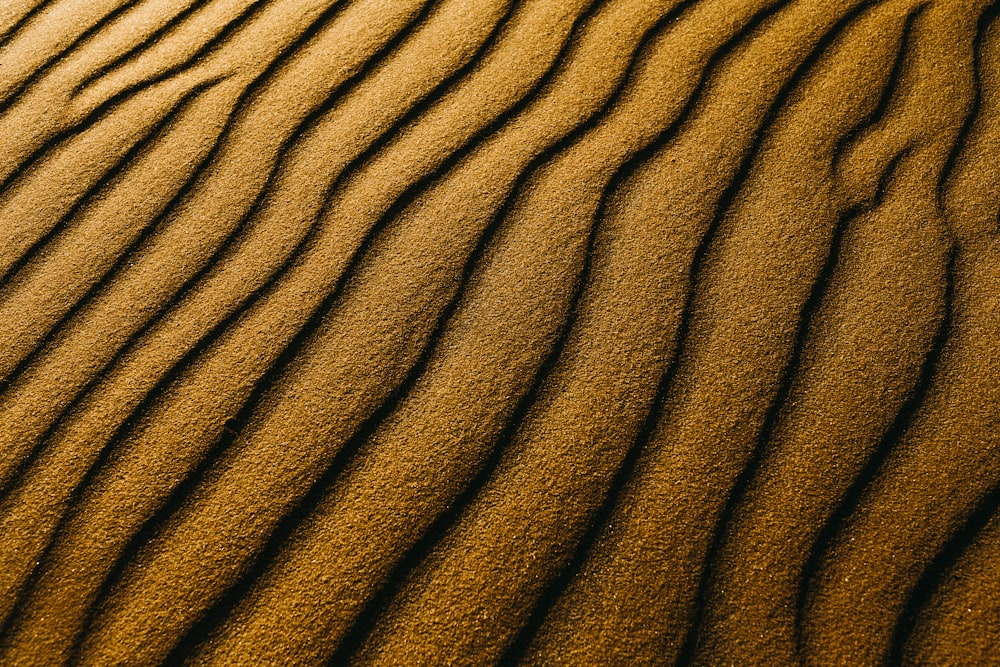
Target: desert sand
470	332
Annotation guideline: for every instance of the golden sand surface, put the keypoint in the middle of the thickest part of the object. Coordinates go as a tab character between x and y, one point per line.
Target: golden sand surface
470	332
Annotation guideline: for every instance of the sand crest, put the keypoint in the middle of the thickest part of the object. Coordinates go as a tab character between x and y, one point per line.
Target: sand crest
556	332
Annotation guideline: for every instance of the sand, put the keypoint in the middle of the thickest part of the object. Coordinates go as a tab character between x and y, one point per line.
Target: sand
465	332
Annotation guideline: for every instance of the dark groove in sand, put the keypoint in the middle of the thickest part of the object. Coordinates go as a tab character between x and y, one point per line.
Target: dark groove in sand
150	40
982	25
56	58
901	424
686	655
349	449
882	108
147	233
804	329
23	21
934	573
153	227
176	498
194	66
557	585
108	107
155	133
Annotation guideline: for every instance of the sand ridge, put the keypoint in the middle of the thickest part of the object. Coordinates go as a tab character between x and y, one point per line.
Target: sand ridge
499	331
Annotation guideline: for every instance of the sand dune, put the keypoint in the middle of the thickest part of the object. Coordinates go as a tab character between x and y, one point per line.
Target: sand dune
557	332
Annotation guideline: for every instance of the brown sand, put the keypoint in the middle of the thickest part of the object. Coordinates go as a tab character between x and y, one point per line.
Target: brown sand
557	332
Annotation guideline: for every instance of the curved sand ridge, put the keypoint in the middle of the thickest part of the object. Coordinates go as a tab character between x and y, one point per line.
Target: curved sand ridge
499	331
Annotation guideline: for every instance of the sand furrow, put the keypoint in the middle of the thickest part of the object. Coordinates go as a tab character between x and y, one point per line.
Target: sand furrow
84	430
66	266
41	212
15	14
955	597
554	174
632	623
189	39
214	301
100	416
51	35
774	485
428	218
950	615
499	332
48	113
125	24
167	244
932	450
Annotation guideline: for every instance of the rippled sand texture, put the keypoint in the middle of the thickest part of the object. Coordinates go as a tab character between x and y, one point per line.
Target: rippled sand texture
549	332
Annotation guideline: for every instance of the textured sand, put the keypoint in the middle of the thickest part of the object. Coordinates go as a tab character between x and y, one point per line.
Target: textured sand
550	332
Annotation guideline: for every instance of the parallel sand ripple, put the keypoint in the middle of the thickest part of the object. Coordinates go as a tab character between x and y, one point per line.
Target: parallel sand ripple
558	332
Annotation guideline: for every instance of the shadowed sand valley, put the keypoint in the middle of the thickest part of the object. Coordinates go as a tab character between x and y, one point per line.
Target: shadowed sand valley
469	332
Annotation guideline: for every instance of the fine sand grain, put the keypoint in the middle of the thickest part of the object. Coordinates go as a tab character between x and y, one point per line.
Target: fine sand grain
467	332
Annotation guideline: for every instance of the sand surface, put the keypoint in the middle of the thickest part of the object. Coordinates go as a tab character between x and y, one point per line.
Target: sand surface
469	332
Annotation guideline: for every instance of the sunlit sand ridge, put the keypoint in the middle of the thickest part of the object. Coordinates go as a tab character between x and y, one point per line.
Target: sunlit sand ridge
556	332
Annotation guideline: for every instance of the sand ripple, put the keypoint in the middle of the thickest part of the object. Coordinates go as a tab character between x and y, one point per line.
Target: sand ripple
560	332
